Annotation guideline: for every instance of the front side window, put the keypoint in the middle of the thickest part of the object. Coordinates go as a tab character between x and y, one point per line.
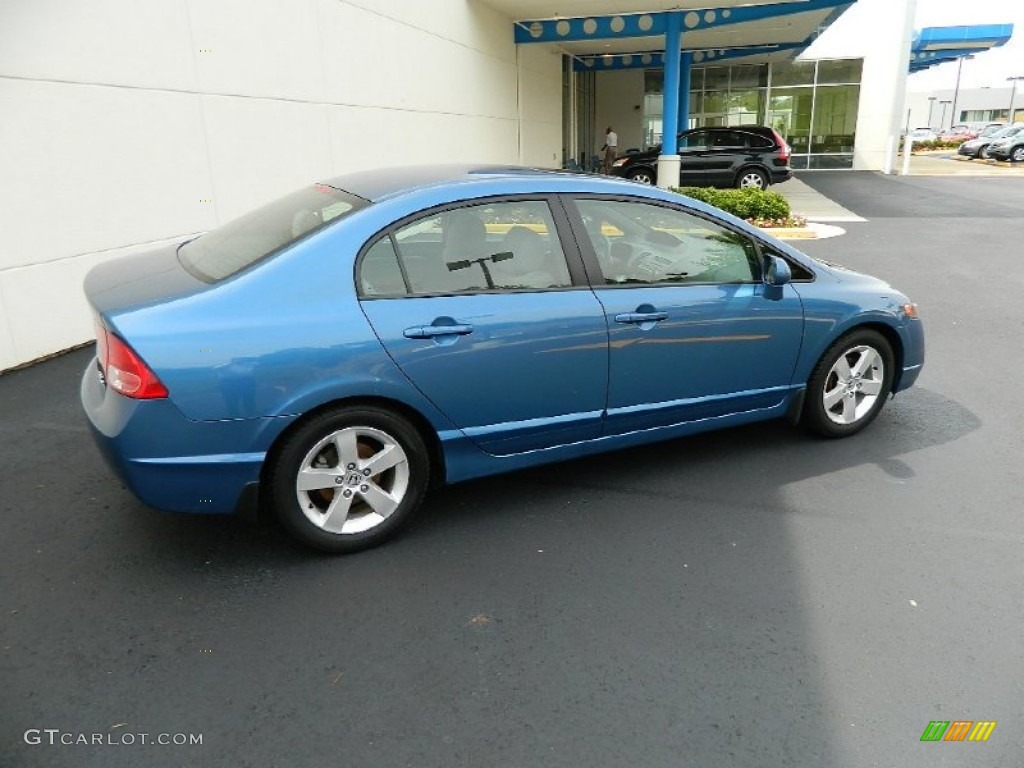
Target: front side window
642	243
493	246
230	248
695	140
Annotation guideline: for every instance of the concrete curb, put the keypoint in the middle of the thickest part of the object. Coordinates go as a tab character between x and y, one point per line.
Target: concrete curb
813	231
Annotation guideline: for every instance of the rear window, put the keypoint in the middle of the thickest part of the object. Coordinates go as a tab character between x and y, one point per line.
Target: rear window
229	249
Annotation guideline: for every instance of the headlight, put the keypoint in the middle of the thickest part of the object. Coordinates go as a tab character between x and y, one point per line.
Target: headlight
620	161
910	310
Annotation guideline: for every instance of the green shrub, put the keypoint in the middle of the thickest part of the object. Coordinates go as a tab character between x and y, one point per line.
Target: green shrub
749	204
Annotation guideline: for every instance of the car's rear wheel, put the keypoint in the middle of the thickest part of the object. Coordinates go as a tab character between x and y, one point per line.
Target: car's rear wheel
642	176
752	178
1017	155
348	478
849	385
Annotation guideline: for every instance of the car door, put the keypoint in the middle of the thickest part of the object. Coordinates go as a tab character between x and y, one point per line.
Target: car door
694	159
481	310
727	153
694	333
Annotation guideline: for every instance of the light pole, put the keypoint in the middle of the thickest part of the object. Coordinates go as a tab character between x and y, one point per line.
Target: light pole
1013	96
956	91
931	106
942	120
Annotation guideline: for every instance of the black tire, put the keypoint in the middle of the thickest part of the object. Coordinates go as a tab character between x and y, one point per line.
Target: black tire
1017	154
827	421
752	177
642	175
369	431
982	153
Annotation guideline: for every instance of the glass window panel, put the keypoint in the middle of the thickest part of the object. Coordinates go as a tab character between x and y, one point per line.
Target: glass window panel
835	119
749	76
379	273
511	246
746	107
716	78
840	71
654	81
789	113
716	102
644	244
792	73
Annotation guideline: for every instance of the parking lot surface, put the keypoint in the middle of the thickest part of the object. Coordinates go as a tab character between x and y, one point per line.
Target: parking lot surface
755	597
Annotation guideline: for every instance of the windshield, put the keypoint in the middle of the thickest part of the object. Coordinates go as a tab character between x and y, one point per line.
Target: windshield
229	249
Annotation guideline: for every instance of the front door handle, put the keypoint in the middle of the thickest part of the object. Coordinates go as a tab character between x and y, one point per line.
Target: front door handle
433	331
641	317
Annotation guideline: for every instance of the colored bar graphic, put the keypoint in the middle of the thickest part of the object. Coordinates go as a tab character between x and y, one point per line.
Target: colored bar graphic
982	730
958	730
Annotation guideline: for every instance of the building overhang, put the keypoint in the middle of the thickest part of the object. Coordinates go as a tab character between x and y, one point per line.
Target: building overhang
937	45
619	34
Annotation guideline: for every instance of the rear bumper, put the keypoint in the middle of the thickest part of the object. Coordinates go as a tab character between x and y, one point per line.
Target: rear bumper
168	461
780	175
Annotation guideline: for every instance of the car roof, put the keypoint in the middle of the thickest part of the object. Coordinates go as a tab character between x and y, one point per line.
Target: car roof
374	185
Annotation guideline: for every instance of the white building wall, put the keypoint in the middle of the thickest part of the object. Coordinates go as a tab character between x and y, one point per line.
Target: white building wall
125	124
617	94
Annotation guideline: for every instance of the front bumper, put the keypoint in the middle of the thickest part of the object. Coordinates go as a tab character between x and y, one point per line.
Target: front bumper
169	461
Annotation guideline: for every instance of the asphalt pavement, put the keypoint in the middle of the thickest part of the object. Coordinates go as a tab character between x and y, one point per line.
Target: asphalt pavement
754	597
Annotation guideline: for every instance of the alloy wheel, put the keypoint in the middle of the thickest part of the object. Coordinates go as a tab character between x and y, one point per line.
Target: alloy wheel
352	480
853	385
752	179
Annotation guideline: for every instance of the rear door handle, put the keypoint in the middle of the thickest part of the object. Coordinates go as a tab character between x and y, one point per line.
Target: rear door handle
433	331
641	317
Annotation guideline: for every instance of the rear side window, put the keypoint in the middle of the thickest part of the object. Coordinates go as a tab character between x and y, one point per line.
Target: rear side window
229	249
758	142
496	246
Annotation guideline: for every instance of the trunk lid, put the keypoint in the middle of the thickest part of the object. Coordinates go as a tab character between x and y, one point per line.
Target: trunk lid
139	280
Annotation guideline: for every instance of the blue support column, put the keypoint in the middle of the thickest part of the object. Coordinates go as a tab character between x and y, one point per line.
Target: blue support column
670	107
668	160
685	68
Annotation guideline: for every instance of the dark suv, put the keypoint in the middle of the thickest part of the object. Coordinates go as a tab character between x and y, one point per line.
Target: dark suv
737	156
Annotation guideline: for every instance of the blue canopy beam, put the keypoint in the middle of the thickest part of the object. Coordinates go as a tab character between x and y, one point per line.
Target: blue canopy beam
656	24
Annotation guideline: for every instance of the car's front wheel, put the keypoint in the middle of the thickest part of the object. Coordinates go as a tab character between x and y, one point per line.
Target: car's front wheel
983	153
752	178
642	176
1017	155
849	385
348	478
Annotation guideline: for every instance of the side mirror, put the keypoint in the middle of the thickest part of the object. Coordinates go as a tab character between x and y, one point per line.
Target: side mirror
778	272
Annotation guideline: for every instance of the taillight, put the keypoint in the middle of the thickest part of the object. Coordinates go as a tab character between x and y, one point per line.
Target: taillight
123	370
784	150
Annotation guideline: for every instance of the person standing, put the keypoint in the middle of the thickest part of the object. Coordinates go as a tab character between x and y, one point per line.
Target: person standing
610	149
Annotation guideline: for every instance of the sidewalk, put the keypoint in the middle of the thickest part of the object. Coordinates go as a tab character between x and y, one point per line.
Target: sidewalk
950	164
812	205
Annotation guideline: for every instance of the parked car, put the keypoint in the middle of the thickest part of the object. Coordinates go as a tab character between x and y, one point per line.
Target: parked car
346	347
961	132
740	156
922	134
1009	146
979	147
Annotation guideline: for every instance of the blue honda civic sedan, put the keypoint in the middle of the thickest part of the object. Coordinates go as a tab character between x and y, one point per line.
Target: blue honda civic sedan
352	344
